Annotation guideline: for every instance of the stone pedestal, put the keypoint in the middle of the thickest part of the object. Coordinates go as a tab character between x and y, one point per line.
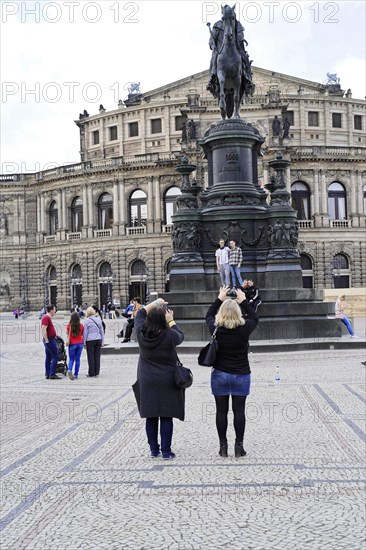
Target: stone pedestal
235	207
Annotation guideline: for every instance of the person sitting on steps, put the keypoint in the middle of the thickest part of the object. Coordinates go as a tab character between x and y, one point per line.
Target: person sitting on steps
131	322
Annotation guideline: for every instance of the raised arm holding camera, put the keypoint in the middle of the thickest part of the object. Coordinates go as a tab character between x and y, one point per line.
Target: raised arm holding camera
235	320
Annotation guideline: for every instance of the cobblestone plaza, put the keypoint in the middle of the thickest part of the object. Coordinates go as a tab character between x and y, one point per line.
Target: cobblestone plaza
76	472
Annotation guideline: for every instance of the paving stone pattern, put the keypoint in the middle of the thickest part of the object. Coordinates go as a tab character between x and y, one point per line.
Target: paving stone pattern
76	472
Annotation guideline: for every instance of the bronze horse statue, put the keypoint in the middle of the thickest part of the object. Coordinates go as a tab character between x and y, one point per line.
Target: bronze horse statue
231	69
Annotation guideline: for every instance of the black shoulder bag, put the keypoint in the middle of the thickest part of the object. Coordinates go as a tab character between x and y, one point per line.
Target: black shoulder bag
207	355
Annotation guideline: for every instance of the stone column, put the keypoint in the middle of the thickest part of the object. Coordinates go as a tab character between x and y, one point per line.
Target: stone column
157	217
360	200
303	122
43	214
324	201
90	211
327	122
315	206
122	207
115	208
353	193
16	210
64	209
150	205
85	209
350	125
39	214
142	131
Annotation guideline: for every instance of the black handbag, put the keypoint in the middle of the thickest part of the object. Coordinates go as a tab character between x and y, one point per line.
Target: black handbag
183	376
207	355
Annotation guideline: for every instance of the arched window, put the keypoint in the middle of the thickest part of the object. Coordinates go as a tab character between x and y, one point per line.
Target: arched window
337	201
76	272
53	214
170	203
76	215
52	273
138	209
341	271
105	211
105	270
307	271
300	199
138	268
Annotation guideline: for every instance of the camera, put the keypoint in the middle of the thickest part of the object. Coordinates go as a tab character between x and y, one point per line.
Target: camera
231	293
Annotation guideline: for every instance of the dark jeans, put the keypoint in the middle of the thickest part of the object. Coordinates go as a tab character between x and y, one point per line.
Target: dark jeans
222	409
166	433
93	348
51	357
129	328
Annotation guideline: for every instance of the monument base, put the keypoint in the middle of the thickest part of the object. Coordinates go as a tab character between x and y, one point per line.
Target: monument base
283	314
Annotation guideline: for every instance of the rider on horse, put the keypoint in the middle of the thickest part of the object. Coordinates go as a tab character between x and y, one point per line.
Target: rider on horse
216	42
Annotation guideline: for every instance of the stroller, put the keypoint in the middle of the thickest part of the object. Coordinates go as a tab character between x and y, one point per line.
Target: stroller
61	366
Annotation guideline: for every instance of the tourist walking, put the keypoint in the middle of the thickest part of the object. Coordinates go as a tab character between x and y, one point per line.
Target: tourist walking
49	341
93	336
339	313
234	320
235	260
75	343
159	400
222	263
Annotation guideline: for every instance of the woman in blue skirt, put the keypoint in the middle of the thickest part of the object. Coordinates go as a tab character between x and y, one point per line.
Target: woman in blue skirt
235	320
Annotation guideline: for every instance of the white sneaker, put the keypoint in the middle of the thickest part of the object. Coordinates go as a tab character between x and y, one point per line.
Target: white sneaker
355	336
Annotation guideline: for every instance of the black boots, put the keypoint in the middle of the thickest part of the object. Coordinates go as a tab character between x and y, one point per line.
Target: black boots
223	449
239	450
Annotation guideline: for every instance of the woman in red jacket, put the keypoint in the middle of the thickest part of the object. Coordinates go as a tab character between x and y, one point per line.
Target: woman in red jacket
75	343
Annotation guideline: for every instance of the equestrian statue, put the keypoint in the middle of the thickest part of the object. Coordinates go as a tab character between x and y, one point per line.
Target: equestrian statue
230	67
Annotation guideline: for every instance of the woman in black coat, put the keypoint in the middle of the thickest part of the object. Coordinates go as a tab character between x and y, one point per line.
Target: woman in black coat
234	320
156	393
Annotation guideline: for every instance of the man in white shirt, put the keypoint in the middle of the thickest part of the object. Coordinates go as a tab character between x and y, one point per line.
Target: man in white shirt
222	263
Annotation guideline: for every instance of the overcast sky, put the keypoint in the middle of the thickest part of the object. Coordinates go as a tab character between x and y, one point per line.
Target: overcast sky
59	58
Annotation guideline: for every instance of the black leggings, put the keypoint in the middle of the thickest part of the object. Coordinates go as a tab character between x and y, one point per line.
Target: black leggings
222	409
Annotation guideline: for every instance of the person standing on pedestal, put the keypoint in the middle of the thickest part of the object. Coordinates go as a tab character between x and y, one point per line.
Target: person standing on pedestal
235	260
222	263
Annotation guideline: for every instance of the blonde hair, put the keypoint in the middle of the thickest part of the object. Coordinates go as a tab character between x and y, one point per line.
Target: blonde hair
341	297
90	311
229	315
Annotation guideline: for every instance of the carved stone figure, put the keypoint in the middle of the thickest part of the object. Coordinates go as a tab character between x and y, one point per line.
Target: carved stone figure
3	224
4	289
276	126
286	128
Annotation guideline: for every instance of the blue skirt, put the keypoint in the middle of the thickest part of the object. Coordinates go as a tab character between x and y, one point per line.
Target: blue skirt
224	383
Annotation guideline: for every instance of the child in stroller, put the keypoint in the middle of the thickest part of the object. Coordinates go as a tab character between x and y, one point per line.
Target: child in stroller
61	366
